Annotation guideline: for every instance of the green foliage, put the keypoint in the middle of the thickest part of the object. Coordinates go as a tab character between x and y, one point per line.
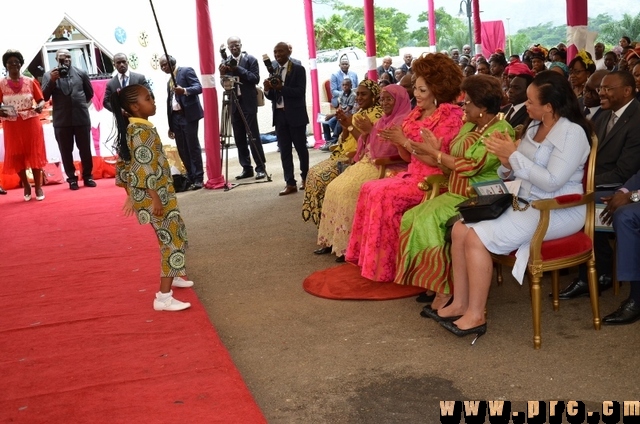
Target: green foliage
450	31
611	32
347	29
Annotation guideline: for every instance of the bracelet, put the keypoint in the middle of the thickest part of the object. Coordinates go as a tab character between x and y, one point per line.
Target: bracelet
439	159
407	145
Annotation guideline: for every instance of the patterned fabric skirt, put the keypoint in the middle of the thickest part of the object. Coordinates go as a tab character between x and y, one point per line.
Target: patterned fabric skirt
172	239
318	178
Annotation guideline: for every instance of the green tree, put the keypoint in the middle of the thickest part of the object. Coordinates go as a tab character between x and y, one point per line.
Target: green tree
450	31
629	25
546	34
390	24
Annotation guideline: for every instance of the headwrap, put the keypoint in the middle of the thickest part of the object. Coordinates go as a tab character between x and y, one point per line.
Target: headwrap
377	147
560	65
372	86
518	68
538	52
582	54
632	52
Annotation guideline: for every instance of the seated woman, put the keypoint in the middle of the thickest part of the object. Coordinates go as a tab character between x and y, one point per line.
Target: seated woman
321	174
381	203
424	258
580	69
549	162
340	198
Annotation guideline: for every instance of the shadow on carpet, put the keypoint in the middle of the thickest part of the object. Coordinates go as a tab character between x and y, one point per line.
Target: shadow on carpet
344	282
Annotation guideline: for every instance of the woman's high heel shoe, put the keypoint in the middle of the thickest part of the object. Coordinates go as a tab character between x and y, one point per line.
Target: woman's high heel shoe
323	250
478	331
428	312
425	298
3	191
39	197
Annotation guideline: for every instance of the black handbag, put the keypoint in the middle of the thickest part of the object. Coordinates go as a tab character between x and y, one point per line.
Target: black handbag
490	206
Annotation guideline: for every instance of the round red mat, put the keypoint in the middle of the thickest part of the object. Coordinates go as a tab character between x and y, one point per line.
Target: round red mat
344	282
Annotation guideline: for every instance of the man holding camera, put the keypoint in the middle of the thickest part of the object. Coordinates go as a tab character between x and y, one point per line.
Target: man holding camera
71	91
286	88
245	67
184	112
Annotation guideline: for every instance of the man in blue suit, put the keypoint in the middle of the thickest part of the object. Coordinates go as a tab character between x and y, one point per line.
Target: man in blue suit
338	77
247	70
287	95
184	112
623	209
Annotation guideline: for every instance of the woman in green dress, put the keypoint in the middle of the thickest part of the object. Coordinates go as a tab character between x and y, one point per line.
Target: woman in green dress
424	257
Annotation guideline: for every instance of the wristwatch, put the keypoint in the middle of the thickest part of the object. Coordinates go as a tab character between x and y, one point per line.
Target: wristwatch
635	196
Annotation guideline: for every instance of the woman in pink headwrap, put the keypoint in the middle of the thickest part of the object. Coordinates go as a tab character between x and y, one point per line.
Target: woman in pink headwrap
342	193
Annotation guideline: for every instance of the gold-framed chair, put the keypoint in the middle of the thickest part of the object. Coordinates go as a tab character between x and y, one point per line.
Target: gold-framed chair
553	255
384	163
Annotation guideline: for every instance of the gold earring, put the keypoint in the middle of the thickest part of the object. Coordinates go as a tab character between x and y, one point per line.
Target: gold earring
480	114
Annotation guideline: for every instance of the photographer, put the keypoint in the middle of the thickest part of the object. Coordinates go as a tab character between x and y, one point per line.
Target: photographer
245	67
286	88
71	91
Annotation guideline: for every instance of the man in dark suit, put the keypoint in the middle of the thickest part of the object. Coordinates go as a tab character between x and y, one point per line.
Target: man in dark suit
590	100
289	115
248	72
184	112
406	66
515	112
386	68
618	158
120	80
123	78
623	209
71	91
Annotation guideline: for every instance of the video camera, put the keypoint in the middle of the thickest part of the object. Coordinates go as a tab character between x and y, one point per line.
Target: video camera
227	61
63	70
274	77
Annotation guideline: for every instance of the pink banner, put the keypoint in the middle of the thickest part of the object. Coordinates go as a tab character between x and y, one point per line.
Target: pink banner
370	38
577	15
477	32
493	37
210	97
432	25
313	71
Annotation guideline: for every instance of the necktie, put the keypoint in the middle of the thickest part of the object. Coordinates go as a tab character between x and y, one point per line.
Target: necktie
587	111
611	123
509	114
279	101
124	80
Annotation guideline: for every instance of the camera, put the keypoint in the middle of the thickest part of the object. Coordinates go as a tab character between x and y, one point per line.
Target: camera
274	77
227	61
63	70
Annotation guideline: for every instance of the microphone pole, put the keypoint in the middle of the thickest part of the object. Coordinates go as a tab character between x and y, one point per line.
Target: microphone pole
164	47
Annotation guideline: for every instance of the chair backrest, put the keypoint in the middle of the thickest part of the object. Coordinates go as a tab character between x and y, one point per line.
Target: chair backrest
589	184
327	90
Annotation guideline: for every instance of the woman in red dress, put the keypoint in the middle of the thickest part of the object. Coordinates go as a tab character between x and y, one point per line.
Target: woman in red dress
22	101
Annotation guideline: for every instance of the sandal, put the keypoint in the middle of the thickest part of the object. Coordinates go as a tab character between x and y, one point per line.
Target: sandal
3	191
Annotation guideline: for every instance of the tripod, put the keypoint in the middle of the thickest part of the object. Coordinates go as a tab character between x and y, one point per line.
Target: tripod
226	130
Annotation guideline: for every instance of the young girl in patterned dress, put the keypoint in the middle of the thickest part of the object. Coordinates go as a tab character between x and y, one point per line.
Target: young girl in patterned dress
143	170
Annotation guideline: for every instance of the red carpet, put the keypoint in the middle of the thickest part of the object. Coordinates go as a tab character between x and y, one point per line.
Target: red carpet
79	339
344	282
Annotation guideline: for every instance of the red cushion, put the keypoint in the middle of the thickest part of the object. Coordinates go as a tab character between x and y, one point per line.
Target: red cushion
574	244
568	198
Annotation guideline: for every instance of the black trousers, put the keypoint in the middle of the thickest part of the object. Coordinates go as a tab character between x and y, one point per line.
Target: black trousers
290	136
81	136
188	145
601	248
243	143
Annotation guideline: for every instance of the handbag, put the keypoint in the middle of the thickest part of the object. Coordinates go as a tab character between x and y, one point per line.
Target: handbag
260	96
490	206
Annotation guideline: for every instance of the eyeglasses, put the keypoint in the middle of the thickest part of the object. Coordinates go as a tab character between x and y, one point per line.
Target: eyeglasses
606	89
576	71
13	62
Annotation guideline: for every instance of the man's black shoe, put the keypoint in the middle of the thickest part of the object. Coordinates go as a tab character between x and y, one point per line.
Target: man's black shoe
579	288
627	313
260	175
195	186
90	183
73	185
245	174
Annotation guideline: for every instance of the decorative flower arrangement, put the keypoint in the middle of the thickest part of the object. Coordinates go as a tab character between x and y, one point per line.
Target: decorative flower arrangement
585	57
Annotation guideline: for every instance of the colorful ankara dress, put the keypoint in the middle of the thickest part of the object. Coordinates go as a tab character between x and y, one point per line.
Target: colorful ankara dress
321	174
23	136
373	243
342	194
149	169
424	259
